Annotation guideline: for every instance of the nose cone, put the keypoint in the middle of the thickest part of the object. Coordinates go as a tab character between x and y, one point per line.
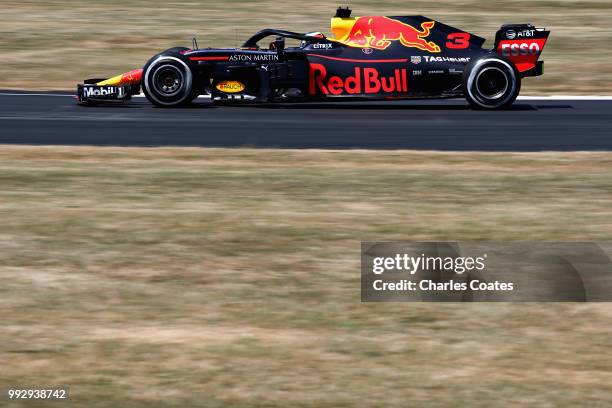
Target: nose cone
129	78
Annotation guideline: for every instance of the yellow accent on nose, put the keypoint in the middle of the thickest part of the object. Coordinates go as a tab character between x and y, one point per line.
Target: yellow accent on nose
114	81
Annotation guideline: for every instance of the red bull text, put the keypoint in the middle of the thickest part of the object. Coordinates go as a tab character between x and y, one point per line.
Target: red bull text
364	81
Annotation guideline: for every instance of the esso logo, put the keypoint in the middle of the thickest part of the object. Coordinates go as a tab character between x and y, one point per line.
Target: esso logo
518	49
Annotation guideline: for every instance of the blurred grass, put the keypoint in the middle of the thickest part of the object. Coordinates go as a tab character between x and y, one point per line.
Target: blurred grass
55	44
211	277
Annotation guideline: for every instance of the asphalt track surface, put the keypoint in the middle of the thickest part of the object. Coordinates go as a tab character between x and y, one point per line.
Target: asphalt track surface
531	125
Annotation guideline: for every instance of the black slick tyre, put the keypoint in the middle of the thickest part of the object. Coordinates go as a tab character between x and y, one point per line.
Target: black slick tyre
168	80
491	83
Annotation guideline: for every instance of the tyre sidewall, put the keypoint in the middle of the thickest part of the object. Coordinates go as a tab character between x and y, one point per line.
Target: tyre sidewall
188	88
476	98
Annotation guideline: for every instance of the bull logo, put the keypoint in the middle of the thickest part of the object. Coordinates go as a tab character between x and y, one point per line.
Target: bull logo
380	32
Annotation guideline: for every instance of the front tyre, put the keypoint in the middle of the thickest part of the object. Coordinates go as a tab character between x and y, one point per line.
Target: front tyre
491	83
168	81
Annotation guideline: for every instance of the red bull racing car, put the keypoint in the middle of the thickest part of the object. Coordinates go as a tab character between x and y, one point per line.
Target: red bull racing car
373	58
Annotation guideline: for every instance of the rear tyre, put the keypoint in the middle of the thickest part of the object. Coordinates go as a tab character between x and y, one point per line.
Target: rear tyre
491	83
168	80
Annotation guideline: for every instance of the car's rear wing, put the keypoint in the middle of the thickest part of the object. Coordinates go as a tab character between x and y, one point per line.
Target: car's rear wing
522	44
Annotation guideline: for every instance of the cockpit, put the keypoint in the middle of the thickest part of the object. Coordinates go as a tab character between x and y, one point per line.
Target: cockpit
280	42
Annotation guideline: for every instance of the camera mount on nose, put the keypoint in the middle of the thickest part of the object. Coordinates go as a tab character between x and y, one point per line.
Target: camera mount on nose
344	12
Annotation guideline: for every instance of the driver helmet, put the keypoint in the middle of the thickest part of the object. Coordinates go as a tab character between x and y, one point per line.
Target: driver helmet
315	35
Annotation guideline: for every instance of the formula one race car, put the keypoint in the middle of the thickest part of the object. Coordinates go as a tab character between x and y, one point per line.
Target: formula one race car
374	58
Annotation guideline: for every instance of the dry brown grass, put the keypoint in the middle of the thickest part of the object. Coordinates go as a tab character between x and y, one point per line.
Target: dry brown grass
53	45
210	277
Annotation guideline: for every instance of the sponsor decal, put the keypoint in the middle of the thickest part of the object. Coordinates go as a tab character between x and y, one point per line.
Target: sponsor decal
318	46
365	80
436	72
380	32
417	72
512	34
416	60
367	51
454	71
519	48
523	53
462	60
230	86
253	57
526	34
103	92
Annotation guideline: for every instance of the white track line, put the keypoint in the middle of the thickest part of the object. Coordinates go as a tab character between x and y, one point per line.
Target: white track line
566	98
143	96
520	98
34	94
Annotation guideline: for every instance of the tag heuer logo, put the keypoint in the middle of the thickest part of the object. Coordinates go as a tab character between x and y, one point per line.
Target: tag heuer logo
416	60
511	34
